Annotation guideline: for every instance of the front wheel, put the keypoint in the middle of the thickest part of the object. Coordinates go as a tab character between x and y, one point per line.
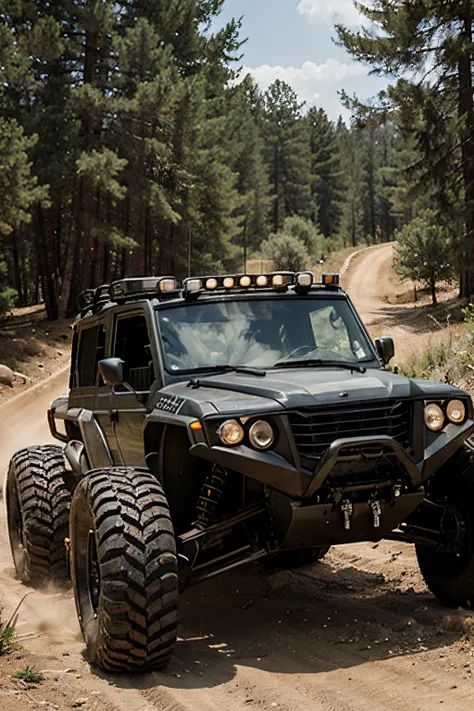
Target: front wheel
450	574
449	570
124	569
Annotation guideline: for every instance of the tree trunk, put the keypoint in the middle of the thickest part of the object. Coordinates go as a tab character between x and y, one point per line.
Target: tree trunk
49	291
433	290
17	269
466	112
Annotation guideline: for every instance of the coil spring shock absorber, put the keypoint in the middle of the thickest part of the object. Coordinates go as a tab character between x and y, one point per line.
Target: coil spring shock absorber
210	496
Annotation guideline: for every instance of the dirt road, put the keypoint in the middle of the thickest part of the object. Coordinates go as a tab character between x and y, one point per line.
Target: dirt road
376	294
357	632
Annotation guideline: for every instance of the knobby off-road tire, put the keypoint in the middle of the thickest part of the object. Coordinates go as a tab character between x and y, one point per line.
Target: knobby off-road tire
38	499
292	560
451	578
124	569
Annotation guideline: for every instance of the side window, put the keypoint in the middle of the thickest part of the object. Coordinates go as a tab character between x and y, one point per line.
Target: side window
91	351
132	345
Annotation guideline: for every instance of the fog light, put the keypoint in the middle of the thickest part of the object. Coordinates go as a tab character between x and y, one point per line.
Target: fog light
231	432
229	283
434	417
245	281
278	280
456	411
261	434
211	283
262	280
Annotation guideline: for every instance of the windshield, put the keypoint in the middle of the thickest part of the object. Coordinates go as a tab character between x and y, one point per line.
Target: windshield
261	333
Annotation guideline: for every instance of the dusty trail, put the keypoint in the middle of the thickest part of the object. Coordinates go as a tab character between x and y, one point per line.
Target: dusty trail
367	282
357	632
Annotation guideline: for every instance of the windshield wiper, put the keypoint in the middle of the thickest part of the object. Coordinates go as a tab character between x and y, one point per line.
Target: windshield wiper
246	369
319	363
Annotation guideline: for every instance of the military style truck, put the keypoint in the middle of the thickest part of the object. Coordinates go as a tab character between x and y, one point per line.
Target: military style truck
226	420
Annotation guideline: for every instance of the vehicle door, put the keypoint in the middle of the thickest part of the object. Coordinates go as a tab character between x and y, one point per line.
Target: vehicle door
89	398
132	342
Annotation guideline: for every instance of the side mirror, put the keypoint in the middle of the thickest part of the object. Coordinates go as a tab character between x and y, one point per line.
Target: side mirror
385	349
112	371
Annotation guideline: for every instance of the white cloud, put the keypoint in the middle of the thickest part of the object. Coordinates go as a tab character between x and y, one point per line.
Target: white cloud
314	83
330	12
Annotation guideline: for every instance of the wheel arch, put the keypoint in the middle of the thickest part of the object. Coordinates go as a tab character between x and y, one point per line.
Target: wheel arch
180	473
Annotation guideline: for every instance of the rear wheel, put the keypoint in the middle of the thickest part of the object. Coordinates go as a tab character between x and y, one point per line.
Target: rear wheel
288	560
124	569
38	499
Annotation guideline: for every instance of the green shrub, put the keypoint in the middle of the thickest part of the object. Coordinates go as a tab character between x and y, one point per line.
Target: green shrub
8	641
29	674
287	252
8	299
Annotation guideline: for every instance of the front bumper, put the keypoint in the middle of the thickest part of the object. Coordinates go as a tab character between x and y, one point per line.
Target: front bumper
277	472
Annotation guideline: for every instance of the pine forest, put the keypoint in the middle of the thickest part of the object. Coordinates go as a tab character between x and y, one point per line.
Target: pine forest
131	144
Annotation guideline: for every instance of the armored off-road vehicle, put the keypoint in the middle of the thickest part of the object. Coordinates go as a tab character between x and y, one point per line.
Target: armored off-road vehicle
225	420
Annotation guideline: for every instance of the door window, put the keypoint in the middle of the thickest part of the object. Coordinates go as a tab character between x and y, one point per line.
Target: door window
132	345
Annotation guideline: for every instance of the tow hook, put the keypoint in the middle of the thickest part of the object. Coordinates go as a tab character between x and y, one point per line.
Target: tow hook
376	512
347	509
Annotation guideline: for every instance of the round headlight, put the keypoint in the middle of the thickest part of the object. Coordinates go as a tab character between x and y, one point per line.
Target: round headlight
231	432
261	435
211	283
262	280
434	417
245	281
229	283
456	411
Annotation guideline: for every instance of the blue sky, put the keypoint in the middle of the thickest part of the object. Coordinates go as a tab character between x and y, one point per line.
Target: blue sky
292	40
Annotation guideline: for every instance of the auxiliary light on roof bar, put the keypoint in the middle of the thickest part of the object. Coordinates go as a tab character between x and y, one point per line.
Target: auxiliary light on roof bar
141	285
331	280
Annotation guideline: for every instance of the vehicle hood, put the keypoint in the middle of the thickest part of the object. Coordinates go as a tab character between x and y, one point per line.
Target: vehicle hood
305	387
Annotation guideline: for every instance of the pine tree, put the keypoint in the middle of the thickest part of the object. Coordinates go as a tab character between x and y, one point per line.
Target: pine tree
424	251
246	147
286	153
327	187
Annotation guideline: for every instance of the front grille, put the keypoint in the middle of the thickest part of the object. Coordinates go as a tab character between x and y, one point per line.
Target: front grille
314	429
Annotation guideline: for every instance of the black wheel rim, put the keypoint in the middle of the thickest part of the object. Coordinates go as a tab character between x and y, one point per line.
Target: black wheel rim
93	571
15	524
456	527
